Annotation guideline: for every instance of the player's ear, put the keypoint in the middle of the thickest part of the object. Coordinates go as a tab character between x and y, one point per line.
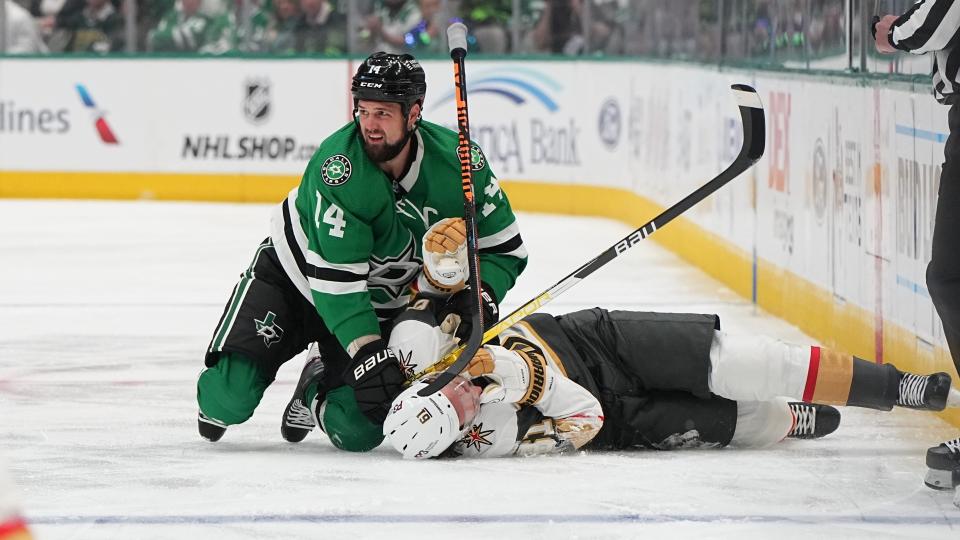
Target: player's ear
414	115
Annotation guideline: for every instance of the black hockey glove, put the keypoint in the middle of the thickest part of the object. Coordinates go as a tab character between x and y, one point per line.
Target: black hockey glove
376	378
461	303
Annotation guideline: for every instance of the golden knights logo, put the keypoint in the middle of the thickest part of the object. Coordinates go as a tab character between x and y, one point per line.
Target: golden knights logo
476	436
406	363
256	100
268	329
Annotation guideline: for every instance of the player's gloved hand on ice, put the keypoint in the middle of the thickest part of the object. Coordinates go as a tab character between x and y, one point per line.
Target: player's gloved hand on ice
445	267
461	304
376	378
517	377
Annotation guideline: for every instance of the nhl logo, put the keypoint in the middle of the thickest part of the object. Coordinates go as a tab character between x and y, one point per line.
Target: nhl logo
336	170
608	123
256	100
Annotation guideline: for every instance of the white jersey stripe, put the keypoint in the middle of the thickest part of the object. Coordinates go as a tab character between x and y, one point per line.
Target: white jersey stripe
337	287
506	234
317	260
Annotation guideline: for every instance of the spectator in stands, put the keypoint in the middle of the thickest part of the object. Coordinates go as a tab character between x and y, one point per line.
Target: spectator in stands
237	33
96	27
762	35
390	22
282	34
321	28
45	13
21	35
488	21
428	35
559	29
184	29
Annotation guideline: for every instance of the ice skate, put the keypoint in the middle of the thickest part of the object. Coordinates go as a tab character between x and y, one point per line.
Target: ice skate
297	419
943	465
812	421
210	429
924	392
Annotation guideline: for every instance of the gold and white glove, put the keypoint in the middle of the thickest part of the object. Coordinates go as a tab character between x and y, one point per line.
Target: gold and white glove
518	376
445	268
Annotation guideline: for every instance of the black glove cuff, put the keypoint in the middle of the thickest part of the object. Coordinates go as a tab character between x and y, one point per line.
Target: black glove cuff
491	310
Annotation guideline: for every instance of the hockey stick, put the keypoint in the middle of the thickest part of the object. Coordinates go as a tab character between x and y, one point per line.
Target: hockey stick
754	136
457	39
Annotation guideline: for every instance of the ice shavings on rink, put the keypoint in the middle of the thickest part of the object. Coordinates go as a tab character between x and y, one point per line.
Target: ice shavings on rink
106	308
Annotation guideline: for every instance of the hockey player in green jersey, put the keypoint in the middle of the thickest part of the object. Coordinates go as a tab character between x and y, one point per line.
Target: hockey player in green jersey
345	251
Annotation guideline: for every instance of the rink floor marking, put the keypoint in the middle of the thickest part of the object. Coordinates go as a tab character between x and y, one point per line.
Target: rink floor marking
732	519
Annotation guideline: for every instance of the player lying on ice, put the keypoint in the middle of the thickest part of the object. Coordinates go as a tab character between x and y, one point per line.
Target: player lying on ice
598	379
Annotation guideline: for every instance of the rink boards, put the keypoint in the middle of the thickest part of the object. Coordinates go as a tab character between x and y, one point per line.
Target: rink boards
831	230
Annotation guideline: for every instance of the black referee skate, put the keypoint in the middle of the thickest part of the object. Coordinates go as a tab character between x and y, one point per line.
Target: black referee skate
924	392
297	420
943	465
210	429
811	421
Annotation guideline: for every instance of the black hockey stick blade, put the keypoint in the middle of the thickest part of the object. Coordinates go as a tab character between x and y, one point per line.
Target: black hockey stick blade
753	145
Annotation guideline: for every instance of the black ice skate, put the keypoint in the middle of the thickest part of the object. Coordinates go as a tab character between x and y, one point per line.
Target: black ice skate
943	465
924	392
210	429
297	421
812	421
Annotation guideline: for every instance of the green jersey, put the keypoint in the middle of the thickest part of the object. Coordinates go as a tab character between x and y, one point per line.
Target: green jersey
183	33
349	237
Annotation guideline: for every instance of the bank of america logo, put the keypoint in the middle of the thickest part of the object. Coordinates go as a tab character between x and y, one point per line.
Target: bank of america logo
100	122
516	84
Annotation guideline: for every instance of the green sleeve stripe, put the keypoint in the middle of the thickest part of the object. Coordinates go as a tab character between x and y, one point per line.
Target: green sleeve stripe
239	292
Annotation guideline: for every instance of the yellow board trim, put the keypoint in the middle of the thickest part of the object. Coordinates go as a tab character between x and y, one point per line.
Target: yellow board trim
782	293
150	186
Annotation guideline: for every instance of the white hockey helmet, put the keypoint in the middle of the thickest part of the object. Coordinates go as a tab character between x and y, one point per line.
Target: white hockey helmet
423	427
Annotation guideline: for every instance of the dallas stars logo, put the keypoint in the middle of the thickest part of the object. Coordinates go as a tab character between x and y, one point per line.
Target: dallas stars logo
268	329
392	274
336	170
476	437
477	161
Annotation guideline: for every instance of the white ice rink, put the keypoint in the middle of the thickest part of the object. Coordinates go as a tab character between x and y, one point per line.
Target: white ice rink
106	309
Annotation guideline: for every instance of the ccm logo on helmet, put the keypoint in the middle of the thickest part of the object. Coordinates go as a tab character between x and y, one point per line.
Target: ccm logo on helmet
369	363
371	85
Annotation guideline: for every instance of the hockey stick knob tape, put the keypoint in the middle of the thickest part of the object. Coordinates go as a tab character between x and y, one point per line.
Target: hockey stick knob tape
457	39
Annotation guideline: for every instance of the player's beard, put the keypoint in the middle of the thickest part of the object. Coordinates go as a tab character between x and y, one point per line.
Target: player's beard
385	151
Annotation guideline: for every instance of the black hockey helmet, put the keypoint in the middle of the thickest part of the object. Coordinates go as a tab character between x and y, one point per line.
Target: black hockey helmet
389	77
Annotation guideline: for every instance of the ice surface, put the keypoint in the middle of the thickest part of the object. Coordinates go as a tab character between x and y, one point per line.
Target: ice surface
105	311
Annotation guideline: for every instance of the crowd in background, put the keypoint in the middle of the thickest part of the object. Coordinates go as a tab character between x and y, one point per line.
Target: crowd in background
706	30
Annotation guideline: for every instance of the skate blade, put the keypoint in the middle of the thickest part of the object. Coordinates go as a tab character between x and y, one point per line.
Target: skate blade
940	480
953	399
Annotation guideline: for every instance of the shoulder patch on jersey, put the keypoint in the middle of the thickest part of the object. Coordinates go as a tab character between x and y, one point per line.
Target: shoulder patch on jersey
477	161
336	170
